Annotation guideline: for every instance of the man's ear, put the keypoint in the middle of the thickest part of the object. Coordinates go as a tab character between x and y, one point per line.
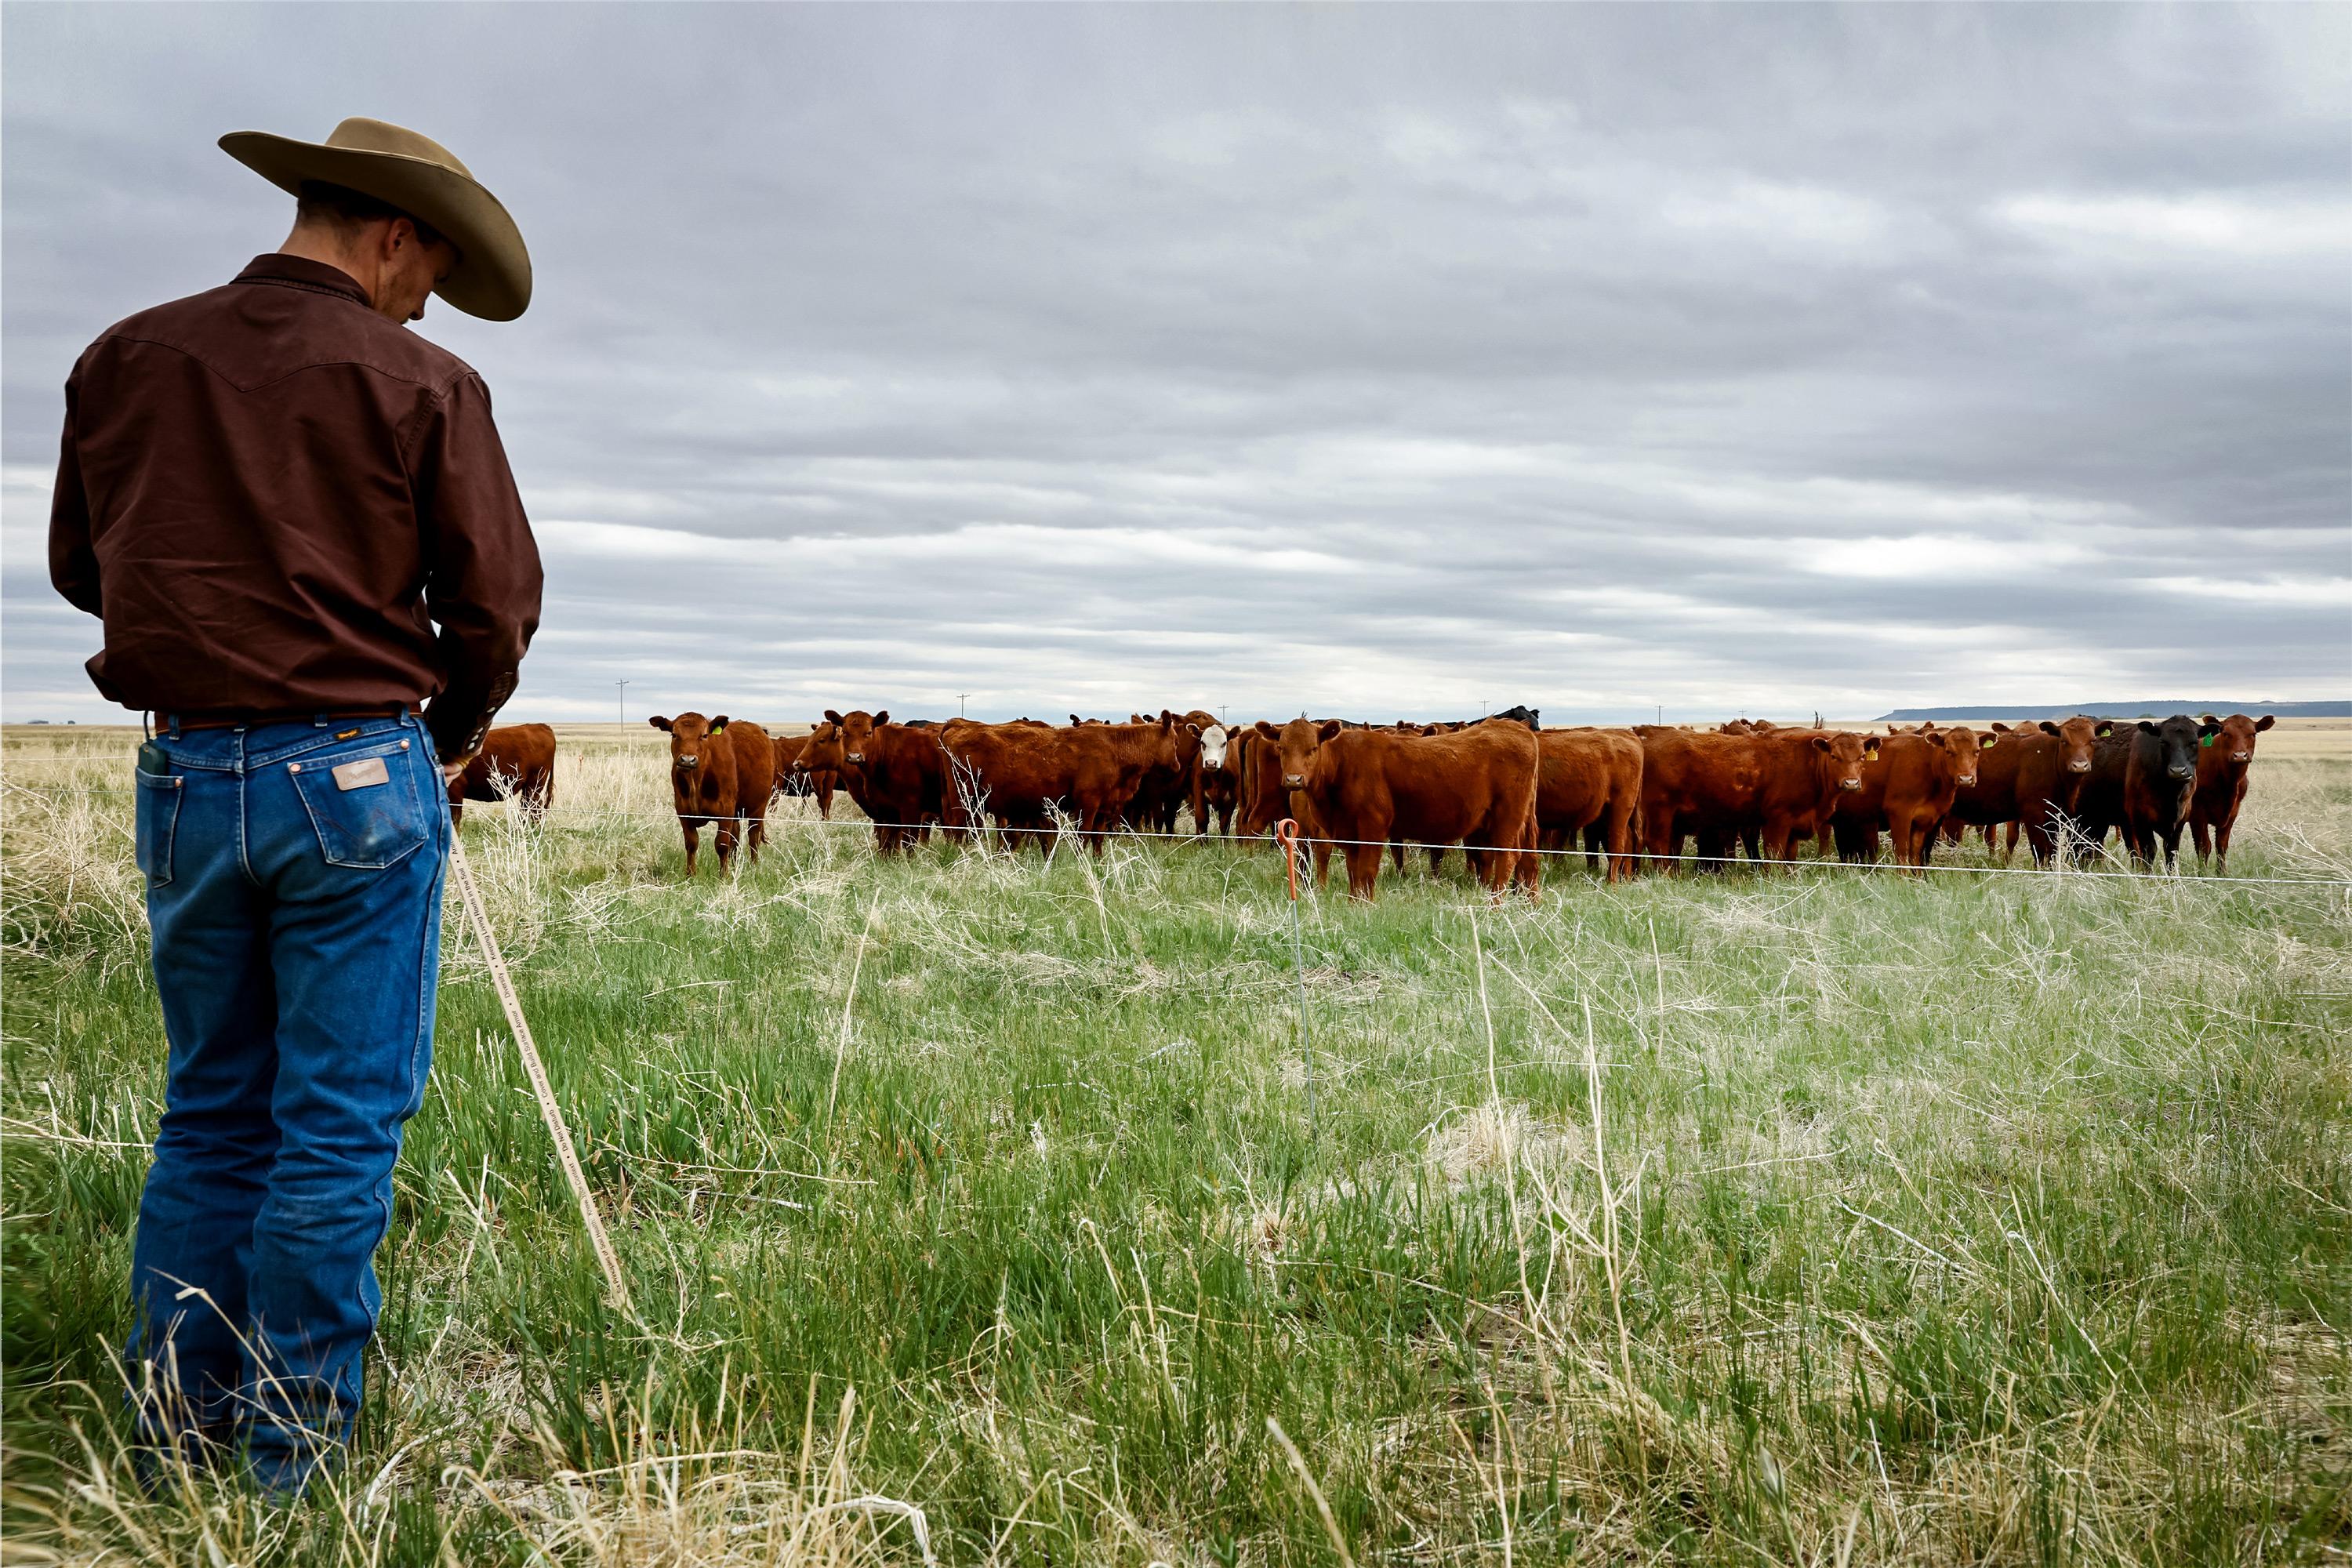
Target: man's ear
719	724
658	722
882	718
830	717
2264	722
1267	730
1329	728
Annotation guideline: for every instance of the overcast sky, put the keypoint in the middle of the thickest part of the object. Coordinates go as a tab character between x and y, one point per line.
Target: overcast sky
1372	359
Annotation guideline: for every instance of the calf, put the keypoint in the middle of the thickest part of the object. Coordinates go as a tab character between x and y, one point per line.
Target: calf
1589	786
2222	761
1774	786
1365	787
1907	792
723	774
517	761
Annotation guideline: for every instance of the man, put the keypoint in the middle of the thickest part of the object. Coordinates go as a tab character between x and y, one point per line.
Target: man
270	492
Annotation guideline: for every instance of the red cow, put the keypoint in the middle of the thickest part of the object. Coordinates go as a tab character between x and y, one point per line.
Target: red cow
1589	783
1907	792
723	774
2032	778
517	761
2227	753
1016	774
795	778
896	772
1263	801
1365	787
1774	786
1165	789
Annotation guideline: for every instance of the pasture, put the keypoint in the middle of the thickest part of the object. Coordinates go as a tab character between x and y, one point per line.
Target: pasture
1807	1216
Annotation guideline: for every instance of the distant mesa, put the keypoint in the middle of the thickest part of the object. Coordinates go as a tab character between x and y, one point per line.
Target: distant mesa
2157	708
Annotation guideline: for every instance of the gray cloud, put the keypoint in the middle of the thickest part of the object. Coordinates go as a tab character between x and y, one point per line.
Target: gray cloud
1370	359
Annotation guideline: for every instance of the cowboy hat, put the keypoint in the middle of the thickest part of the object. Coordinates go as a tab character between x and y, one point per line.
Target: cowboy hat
422	179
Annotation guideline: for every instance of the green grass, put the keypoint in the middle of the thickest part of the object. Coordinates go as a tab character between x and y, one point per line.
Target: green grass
1813	1217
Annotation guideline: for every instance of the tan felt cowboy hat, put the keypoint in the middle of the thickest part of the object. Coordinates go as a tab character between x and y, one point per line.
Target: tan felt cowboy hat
422	178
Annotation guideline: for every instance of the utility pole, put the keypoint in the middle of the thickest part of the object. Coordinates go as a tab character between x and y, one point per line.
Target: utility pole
1661	713
624	700
959	697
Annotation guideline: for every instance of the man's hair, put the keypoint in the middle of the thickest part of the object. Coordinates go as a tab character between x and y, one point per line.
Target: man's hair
341	208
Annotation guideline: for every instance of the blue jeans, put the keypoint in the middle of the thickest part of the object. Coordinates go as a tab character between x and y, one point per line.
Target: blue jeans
294	891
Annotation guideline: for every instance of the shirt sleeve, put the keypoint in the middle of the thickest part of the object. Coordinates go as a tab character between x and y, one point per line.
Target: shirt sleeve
73	560
482	573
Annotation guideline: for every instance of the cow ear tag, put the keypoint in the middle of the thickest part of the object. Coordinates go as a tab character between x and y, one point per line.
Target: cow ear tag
2204	739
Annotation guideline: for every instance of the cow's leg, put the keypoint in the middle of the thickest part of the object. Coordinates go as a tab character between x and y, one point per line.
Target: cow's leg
2201	838
2172	847
2221	831
757	839
1617	828
723	840
824	799
693	832
1321	852
1363	871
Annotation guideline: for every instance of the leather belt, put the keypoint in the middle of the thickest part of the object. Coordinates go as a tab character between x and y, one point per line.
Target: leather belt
254	720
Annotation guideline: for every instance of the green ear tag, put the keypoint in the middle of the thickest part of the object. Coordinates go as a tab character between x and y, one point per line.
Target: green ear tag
2204	739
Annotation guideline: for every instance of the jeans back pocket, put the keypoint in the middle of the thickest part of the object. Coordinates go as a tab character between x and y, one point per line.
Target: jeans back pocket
155	818
364	805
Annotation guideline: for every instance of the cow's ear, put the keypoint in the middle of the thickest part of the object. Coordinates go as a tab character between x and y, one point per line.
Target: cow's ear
830	717
2264	722
1190	728
658	722
1820	743
2049	727
1329	728
2104	728
2149	727
1267	730
1987	742
882	718
2209	722
719	724
1870	747
1926	727
1998	728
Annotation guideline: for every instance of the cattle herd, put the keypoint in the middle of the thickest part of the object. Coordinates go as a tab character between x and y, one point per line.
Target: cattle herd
1494	787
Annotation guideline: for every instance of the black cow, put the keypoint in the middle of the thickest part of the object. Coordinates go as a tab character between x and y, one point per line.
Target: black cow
2143	777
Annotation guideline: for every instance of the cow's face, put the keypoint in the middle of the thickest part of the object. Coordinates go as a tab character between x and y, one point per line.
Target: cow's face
822	751
857	732
2233	737
1214	741
1843	755
1964	743
689	740
2176	742
2077	738
1296	743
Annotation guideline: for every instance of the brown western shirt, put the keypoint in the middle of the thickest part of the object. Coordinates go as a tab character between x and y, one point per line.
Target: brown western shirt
271	495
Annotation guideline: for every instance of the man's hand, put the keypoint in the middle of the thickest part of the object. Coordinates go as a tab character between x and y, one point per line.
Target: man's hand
452	771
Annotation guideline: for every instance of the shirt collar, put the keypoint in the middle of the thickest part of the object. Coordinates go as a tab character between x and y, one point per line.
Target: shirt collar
301	272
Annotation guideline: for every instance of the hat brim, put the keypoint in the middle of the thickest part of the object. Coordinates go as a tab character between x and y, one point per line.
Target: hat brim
492	278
